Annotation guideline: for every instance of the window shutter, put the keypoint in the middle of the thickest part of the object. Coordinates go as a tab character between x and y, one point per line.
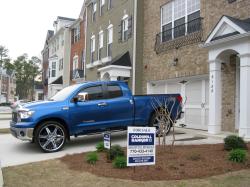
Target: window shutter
120	32
130	27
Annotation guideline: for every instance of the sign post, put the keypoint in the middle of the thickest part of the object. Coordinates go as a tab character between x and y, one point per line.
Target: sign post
141	146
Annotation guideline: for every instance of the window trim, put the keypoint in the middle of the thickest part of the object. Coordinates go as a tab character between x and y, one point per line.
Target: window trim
173	17
124	26
109	29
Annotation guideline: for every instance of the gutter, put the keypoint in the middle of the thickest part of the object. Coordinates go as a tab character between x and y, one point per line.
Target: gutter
223	40
85	43
134	46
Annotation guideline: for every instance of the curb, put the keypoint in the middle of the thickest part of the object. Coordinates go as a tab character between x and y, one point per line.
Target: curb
1	175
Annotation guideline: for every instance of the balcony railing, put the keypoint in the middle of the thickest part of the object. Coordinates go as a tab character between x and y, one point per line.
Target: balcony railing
77	74
181	35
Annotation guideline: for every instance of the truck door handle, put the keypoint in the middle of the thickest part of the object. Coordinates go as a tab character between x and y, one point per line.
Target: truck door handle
102	104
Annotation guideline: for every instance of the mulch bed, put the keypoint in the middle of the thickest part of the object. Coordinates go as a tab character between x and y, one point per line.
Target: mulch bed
185	162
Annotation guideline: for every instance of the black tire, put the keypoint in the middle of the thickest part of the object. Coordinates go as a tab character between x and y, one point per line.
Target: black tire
50	136
153	123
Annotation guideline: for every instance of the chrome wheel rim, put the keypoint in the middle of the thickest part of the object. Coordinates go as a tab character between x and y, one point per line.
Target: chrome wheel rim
51	137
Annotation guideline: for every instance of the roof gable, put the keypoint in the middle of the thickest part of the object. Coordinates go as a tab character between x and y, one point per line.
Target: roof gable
228	26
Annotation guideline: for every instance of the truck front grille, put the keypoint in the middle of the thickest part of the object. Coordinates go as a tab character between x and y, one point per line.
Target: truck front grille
14	116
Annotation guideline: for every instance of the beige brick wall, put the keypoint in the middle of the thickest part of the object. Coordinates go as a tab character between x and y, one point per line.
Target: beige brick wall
228	95
192	59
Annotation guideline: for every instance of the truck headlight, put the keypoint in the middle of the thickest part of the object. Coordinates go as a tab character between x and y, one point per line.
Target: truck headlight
25	114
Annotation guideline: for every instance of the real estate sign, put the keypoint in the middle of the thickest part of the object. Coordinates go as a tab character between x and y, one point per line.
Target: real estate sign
106	139
141	146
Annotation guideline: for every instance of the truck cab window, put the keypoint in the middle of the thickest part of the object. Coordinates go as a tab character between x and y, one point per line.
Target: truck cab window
114	91
93	93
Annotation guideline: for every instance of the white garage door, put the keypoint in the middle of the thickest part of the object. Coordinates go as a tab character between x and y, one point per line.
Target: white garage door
195	92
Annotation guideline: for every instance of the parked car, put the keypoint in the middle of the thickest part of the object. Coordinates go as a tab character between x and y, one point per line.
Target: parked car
81	109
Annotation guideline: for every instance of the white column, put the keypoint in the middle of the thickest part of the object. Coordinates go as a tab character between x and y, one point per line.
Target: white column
244	128
214	126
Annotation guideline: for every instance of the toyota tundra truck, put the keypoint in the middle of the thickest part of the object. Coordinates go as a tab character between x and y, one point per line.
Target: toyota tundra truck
87	108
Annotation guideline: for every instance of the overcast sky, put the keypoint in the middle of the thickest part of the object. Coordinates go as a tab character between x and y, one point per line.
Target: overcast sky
24	23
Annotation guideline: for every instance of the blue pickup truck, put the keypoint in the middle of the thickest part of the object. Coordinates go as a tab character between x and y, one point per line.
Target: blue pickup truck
90	107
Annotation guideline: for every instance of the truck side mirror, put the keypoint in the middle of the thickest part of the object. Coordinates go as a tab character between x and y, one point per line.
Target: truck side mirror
75	99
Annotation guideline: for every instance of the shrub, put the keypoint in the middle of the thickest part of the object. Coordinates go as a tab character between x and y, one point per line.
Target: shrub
100	147
114	152
237	155
120	162
92	157
234	142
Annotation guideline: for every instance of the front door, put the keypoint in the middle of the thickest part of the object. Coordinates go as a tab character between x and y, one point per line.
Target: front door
89	114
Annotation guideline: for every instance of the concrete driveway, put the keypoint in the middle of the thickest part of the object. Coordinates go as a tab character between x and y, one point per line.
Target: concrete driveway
15	152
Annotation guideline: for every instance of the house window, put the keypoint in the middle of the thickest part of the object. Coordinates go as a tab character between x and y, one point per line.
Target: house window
125	28
94	12
92	48
109	40
100	45
179	17
61	64
77	34
75	63
53	69
109	4
102	3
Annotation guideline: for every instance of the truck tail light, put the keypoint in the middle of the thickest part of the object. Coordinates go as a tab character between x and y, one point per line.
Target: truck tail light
179	98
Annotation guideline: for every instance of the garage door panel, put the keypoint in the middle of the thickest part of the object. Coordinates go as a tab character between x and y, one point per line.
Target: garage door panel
193	93
193	118
196	107
173	88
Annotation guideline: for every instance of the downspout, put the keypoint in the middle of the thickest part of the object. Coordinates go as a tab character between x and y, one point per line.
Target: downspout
134	46
85	45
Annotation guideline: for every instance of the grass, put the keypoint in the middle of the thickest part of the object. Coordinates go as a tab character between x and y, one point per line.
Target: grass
55	173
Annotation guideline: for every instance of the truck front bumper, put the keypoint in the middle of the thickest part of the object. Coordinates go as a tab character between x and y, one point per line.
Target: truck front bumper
25	134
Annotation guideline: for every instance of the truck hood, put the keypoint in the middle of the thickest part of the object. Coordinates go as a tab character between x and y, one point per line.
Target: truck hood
41	104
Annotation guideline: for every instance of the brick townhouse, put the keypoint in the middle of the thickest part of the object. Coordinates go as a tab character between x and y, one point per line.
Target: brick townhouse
201	49
45	63
77	54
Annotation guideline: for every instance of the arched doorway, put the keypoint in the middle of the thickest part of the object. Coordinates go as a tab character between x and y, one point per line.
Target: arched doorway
229	76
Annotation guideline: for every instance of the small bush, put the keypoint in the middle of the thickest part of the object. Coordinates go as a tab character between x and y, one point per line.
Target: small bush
114	152
237	155
234	142
92	157
120	162
100	147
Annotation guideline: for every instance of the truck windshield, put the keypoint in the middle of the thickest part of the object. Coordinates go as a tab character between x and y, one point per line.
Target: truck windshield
64	93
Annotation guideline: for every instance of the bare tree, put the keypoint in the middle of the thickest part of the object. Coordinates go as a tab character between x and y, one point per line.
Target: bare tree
167	111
